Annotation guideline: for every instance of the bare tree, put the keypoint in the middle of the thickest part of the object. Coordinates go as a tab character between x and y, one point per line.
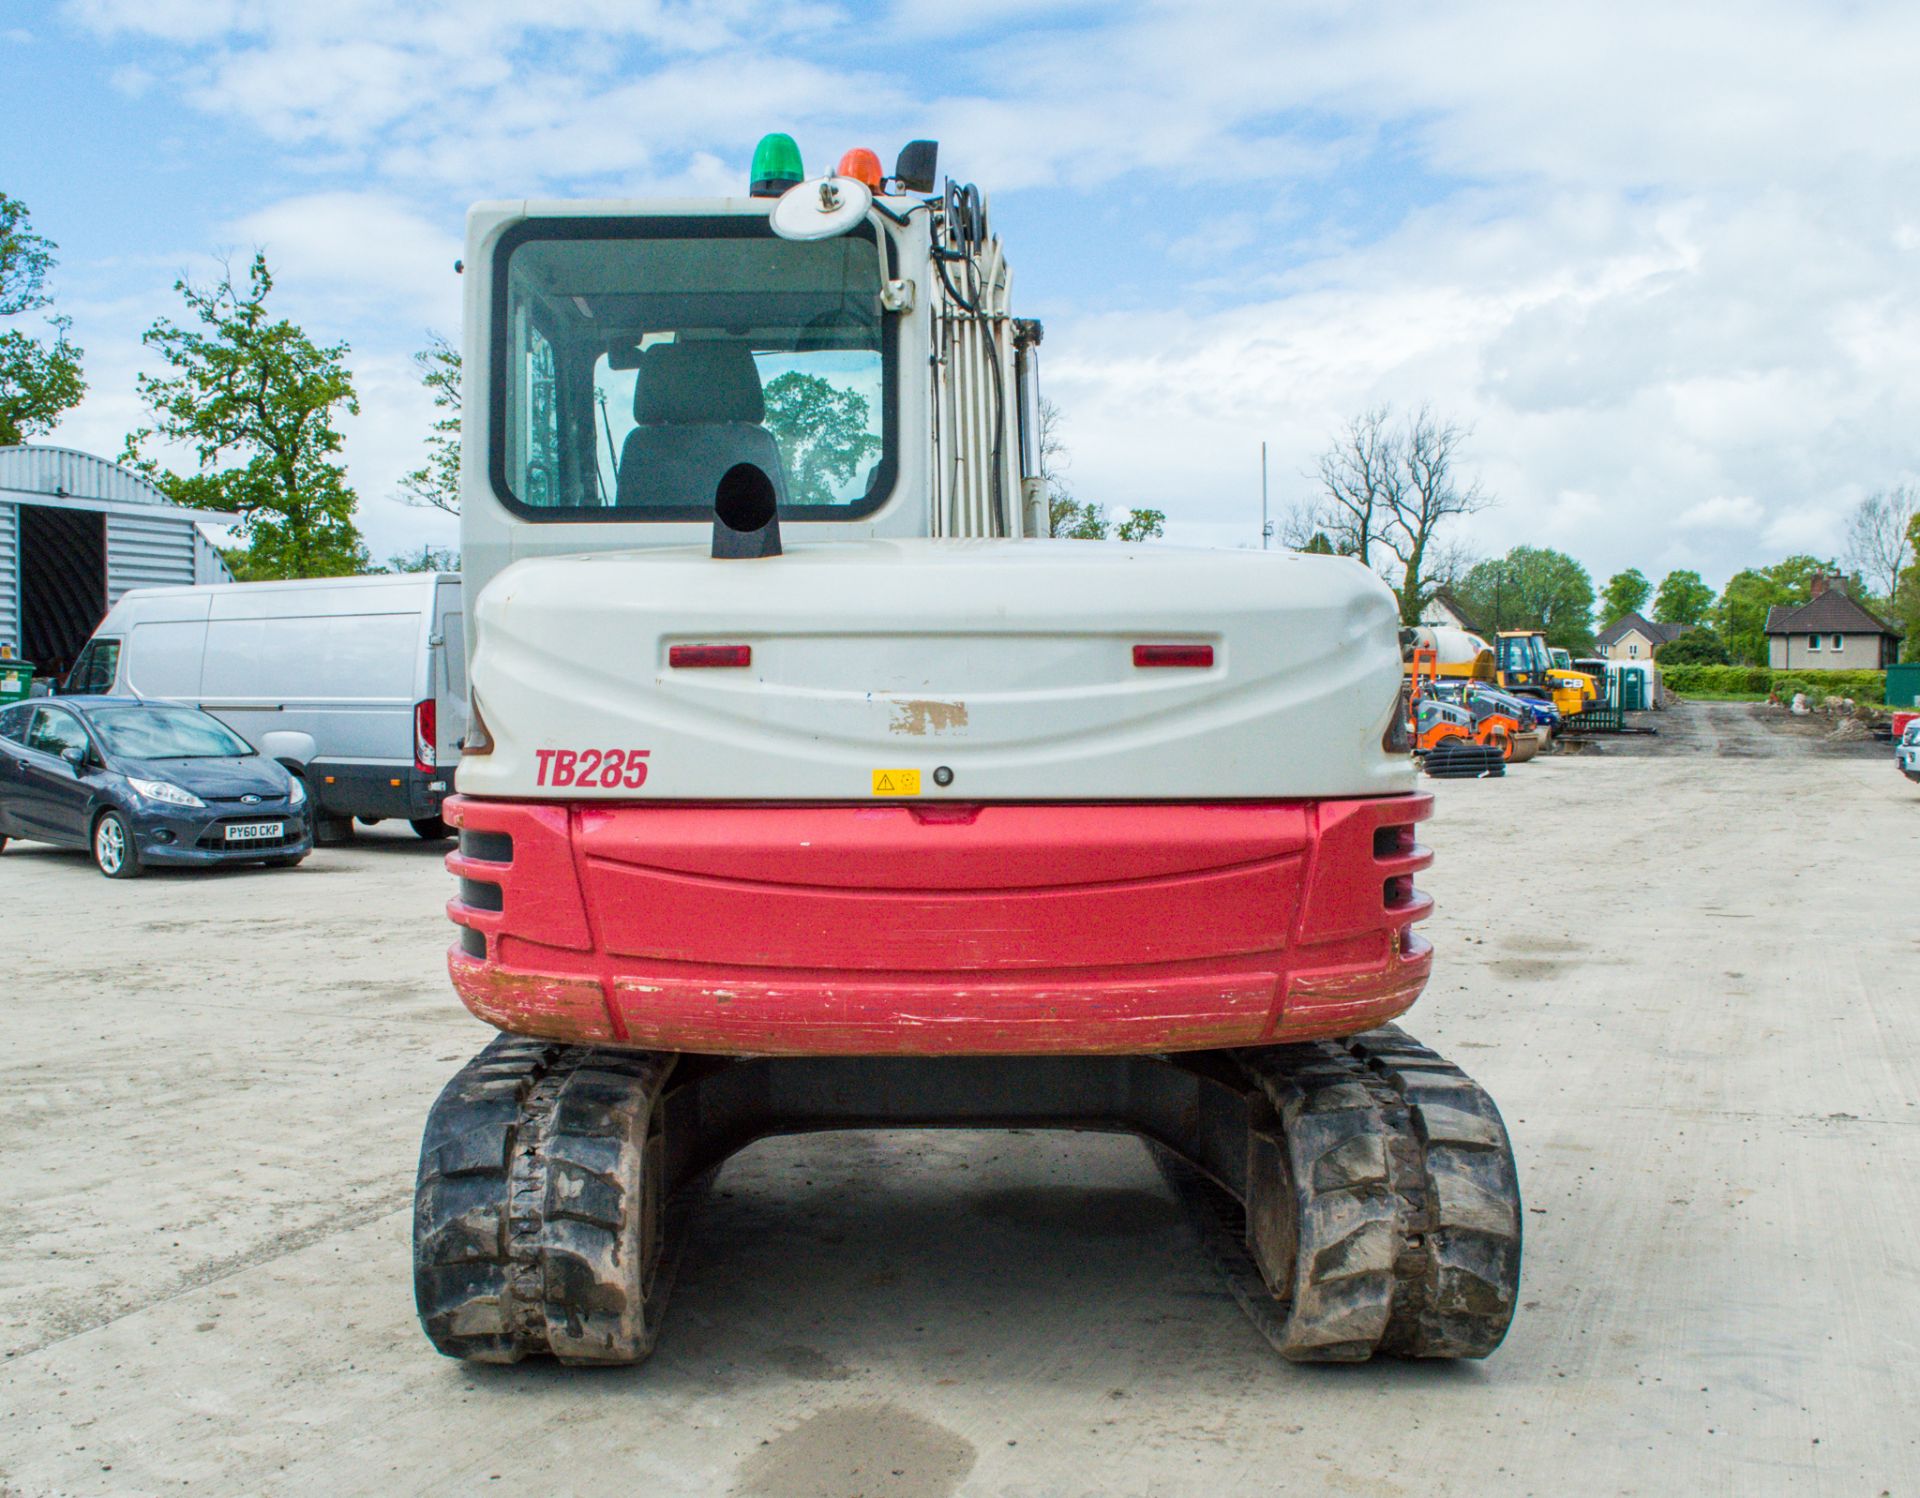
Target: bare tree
1429	495
1066	516
1878	536
1447	566
1387	489
436	482
1360	480
1299	528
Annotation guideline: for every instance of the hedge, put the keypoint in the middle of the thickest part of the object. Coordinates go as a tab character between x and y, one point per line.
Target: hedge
1862	686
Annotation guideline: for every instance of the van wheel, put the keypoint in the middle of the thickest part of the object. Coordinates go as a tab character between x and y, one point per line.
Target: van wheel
113	851
433	829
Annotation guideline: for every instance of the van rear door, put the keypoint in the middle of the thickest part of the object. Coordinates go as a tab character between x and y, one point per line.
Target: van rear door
449	676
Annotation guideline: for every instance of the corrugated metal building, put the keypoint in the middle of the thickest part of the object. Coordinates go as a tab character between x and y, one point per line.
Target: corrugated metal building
76	532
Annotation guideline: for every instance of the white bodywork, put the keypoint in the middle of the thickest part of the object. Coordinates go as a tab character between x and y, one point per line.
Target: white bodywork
320	668
889	643
1009	663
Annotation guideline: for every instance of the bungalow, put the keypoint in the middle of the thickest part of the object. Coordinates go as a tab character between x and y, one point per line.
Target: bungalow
1634	637
1829	632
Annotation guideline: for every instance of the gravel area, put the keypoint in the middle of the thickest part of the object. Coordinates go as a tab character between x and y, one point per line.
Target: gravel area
1691	987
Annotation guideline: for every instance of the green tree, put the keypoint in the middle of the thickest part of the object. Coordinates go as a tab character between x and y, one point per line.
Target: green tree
823	434
38	379
255	399
435	483
1534	588
1699	646
426	559
1684	598
1625	593
1070	520
1741	615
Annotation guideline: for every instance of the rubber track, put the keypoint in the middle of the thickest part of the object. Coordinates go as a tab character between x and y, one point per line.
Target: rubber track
529	1212
1408	1208
1470	1283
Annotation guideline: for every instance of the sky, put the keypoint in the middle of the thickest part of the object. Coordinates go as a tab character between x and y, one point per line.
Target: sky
1660	259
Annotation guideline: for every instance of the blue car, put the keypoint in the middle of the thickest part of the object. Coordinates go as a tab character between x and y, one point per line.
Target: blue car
145	783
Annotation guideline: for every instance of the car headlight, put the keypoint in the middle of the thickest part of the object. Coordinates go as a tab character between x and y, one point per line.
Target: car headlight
297	796
160	790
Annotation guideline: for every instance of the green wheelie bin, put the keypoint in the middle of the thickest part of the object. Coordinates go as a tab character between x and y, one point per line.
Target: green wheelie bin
16	679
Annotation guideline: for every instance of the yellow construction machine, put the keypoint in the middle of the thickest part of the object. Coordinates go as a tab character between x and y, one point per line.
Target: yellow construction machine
1524	665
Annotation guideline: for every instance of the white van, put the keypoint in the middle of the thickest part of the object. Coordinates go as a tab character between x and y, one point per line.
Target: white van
356	684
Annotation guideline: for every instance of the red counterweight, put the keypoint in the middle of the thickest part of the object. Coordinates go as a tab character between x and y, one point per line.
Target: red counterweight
930	930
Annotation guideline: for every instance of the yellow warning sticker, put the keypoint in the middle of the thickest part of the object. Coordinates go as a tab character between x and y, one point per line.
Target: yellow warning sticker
896	782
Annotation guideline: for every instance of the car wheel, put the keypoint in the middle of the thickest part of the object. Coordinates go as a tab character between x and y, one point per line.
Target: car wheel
433	829
113	851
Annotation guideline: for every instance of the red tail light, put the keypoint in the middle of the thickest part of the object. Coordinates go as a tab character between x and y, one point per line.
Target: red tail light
1173	655
709	655
426	723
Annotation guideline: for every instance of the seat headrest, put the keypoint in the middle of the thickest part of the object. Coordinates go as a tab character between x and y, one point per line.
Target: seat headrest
696	384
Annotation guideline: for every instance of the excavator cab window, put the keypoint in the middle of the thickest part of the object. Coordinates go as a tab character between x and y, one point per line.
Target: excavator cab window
637	363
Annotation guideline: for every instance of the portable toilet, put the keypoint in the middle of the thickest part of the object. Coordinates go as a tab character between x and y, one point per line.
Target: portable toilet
1636	685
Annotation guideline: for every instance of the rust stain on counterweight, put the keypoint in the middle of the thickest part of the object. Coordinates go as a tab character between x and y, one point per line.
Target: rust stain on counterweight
920	716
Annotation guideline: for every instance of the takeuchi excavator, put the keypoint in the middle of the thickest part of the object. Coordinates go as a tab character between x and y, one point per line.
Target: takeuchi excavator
810	785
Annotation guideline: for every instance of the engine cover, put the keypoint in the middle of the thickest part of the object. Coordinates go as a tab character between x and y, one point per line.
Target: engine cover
973	671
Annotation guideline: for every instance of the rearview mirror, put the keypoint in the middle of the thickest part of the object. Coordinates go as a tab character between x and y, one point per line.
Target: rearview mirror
76	756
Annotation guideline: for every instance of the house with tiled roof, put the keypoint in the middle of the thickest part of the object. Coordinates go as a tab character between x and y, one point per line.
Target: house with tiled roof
1445	610
1831	631
1634	637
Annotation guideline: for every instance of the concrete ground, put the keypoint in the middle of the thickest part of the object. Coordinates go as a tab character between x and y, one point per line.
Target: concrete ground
1690	981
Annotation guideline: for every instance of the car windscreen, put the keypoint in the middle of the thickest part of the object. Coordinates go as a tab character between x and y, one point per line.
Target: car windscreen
638	361
165	733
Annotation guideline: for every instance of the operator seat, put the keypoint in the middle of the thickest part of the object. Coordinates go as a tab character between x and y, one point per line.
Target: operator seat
699	409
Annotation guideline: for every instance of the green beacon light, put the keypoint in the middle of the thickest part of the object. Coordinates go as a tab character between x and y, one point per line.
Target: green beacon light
776	165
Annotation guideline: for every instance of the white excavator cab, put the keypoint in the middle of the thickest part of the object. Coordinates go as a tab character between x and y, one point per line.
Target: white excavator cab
628	355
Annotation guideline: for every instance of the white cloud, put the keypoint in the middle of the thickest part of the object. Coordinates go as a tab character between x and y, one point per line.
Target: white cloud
355	255
1662	259
132	81
1722	512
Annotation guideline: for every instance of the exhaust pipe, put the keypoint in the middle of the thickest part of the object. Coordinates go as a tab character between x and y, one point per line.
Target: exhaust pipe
746	514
